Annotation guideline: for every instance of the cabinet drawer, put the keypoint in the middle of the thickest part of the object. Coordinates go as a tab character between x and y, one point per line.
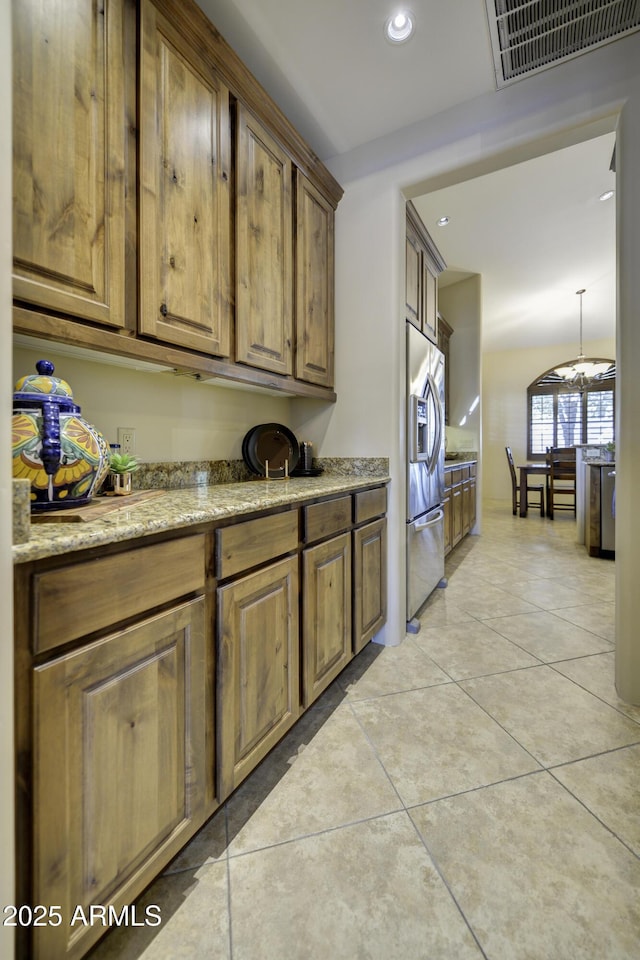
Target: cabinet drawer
254	542
369	504
73	601
324	519
455	477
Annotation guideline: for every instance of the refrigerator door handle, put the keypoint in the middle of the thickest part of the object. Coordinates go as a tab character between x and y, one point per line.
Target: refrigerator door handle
433	400
439	413
430	523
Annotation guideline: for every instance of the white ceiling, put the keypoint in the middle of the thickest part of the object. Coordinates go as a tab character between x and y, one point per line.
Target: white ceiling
535	231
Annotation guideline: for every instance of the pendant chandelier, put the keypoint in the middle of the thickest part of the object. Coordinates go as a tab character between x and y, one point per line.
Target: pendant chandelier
579	373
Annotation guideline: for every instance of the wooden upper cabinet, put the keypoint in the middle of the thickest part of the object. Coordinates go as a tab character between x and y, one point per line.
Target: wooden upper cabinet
184	193
314	285
264	249
69	144
423	264
429	301
413	276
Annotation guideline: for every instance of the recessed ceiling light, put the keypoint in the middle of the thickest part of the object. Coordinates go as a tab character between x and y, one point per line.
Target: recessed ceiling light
442	222
606	195
399	27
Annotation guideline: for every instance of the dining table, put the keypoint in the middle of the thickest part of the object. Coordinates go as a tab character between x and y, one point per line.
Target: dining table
527	470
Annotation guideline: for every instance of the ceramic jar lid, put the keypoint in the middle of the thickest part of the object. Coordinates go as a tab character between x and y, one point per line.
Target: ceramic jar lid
36	387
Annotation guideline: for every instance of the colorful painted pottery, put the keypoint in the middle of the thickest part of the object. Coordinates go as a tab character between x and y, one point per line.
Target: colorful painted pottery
64	457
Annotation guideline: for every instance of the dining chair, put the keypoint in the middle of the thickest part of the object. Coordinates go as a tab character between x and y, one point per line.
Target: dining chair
561	492
537	489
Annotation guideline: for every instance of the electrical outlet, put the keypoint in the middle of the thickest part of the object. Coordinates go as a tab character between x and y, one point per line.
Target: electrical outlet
127	440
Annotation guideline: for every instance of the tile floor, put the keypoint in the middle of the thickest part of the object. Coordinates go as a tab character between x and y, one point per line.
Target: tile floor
473	793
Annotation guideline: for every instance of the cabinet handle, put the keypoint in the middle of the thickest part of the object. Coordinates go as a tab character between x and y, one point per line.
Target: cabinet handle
163	309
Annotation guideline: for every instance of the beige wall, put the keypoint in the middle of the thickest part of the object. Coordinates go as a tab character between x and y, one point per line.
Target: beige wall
461	306
175	418
506	374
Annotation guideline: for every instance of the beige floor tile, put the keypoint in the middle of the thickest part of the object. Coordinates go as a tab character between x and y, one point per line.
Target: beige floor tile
195	920
310	783
441	609
550	716
547	636
472	650
597	675
534	873
609	786
599	618
365	891
485	601
548	594
599	586
381	670
436	741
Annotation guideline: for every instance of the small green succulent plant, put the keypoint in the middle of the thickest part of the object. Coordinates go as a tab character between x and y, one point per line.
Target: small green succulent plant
123	463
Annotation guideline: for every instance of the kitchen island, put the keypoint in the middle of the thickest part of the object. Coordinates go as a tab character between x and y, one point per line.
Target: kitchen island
161	652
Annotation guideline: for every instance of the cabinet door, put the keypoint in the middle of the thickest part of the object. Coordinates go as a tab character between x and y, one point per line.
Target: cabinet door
69	180
314	285
119	767
264	254
184	193
326	601
369	581
447	509
429	302
472	502
258	667
457	516
466	507
413	267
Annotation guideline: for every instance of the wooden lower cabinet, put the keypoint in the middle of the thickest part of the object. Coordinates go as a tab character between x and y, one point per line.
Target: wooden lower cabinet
258	667
447	509
456	515
369	581
469	493
326	624
119	768
459	504
151	680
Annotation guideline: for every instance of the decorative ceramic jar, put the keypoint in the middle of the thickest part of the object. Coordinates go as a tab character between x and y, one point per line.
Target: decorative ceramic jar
64	457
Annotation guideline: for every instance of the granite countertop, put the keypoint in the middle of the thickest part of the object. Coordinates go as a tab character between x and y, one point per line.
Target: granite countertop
453	464
175	509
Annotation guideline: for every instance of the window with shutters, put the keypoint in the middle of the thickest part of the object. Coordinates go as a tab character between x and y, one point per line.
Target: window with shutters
561	415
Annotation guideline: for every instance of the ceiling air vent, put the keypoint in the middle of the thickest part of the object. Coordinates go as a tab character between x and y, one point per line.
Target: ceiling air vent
531	36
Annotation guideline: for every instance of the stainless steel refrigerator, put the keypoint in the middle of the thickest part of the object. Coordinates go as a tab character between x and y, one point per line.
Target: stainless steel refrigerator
425	470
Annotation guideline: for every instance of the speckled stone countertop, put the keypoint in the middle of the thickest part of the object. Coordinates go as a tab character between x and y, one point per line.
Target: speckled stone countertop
454	464
182	508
